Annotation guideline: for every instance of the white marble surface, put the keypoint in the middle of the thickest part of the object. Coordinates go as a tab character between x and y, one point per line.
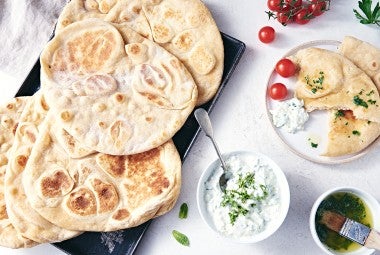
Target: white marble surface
240	123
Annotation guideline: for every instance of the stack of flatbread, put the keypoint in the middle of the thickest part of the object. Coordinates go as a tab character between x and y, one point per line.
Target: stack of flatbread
92	149
346	84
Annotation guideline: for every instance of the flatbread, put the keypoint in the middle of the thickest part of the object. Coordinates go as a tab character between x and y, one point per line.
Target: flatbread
126	12
23	217
364	55
121	94
185	28
10	113
348	135
100	192
344	86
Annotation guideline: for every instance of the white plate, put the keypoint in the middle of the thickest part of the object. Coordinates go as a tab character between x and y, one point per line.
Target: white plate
316	128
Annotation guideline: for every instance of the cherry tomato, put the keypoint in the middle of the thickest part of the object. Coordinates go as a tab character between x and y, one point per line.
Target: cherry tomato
286	68
274	5
317	8
278	91
283	18
302	17
267	34
293	3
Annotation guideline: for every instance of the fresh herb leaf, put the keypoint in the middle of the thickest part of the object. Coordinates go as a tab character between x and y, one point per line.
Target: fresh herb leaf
316	84
370	16
355	132
183	211
181	238
358	101
314	145
339	113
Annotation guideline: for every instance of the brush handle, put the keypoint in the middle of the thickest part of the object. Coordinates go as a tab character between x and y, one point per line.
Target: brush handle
373	240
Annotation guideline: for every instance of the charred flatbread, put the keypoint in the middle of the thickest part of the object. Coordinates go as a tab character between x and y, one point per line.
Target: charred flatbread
100	192
24	218
185	28
348	135
327	80
364	55
10	113
115	92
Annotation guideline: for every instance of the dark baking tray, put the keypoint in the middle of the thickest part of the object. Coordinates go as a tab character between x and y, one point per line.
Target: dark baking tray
124	242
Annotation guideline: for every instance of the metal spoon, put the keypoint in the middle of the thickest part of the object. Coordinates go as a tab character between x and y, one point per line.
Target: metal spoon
204	121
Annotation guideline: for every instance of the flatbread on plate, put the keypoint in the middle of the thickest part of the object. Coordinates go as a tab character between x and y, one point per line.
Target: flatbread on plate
364	55
185	28
100	192
327	80
10	113
115	91
24	218
348	135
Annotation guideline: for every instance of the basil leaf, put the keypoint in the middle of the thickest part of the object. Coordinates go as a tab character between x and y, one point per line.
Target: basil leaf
183	211
181	238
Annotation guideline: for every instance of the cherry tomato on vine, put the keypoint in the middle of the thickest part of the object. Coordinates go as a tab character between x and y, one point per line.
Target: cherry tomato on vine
302	17
274	5
293	3
283	18
277	5
317	8
278	91
286	68
267	34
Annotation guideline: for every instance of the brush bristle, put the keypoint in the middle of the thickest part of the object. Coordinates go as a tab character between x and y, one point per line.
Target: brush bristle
332	220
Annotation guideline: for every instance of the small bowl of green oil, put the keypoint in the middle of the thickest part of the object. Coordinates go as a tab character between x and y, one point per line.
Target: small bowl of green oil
352	203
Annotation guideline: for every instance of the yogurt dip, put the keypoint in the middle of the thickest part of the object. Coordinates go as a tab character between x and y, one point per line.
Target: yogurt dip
251	200
290	115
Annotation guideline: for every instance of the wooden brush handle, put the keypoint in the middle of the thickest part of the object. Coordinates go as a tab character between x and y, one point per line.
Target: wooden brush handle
373	240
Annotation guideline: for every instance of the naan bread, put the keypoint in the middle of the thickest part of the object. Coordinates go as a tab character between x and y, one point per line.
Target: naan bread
183	27
24	218
9	117
349	135
118	94
327	80
126	12
364	55
100	192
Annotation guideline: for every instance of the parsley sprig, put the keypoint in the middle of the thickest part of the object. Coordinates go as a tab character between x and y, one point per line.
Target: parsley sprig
370	16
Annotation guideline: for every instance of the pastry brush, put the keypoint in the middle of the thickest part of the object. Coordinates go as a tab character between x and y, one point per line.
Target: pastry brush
351	229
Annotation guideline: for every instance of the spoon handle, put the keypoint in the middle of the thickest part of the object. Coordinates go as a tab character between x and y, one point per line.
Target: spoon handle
204	121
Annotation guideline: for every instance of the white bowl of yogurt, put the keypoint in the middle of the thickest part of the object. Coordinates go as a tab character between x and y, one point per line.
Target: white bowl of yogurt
255	202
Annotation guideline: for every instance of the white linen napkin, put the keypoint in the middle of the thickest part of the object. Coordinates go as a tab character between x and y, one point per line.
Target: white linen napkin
25	27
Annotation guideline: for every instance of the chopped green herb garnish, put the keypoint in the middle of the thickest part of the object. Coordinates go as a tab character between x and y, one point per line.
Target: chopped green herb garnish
183	211
370	93
181	238
236	198
358	101
355	132
314	145
371	101
316	84
339	113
